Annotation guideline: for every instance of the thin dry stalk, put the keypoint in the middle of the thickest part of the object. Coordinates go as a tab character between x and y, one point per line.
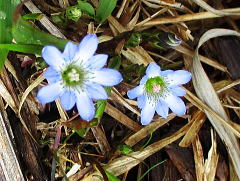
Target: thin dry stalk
198	158
45	22
212	161
101	139
186	17
8	162
204	59
137	55
121	165
198	120
122	118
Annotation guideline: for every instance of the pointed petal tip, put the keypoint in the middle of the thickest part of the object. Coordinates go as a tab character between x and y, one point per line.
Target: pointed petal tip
87	47
145	122
153	70
176	104
107	77
85	107
52	56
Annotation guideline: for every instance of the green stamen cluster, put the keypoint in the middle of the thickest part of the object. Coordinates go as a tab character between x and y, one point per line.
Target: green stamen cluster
155	87
73	76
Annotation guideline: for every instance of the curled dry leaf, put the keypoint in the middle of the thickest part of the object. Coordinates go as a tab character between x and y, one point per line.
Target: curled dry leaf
205	6
202	83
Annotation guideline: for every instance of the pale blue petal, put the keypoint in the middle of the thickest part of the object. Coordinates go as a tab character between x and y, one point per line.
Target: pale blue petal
53	57
107	77
153	70
96	91
162	109
85	106
135	92
144	79
68	99
52	75
178	91
175	104
178	77
147	112
141	100
87	47
165	72
98	61
49	93
69	51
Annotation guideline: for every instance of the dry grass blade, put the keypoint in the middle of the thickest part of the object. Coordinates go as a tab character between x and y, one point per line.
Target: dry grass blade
102	140
8	162
7	96
45	22
11	69
206	60
137	55
202	83
118	26
28	90
205	6
199	104
199	158
198	120
122	118
120	165
147	130
212	161
24	96
115	95
187	17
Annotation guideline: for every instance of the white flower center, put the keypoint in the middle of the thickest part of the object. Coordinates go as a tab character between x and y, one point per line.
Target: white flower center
156	88
74	75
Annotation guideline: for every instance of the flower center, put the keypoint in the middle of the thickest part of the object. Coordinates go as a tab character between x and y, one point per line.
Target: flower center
155	85
73	75
156	88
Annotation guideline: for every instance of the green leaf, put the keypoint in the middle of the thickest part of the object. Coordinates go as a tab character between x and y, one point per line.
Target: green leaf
115	62
134	40
33	16
154	166
104	9
24	33
101	104
81	132
36	49
73	13
6	15
86	8
111	177
125	149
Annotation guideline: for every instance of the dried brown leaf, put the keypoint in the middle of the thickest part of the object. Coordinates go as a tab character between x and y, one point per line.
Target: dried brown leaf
199	158
205	6
122	164
198	119
137	55
206	92
212	161
122	118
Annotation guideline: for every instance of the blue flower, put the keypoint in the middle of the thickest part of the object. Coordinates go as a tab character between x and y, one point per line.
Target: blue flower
160	90
76	75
